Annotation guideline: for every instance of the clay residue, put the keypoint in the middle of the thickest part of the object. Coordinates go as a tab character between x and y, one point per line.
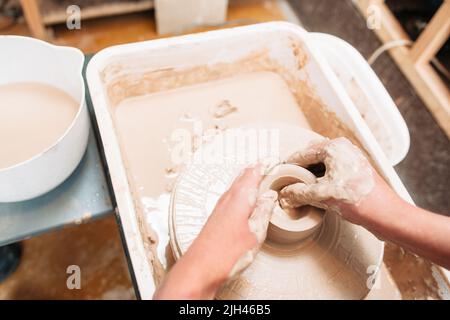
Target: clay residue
137	84
258	223
348	176
299	54
320	119
223	109
412	274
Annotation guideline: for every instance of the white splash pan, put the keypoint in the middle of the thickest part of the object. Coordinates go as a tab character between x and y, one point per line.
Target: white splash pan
205	49
368	94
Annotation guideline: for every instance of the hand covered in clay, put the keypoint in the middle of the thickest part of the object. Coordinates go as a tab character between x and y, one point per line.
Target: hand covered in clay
241	218
348	177
227	243
353	189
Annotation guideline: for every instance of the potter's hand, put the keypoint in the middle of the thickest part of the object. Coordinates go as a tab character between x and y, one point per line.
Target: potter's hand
240	219
353	189
227	243
348	177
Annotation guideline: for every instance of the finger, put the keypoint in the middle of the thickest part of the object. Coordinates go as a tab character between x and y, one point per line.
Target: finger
315	153
259	220
292	196
243	192
243	263
300	194
250	177
258	223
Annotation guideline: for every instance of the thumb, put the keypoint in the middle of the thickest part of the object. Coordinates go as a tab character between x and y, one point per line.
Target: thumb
300	194
258	223
259	220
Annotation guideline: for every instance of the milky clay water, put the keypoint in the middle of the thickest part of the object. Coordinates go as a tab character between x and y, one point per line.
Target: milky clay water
149	127
32	118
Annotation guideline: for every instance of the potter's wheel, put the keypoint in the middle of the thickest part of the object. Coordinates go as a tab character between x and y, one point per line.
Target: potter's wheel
333	259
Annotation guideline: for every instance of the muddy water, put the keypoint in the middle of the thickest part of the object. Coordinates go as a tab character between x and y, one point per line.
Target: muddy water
32	118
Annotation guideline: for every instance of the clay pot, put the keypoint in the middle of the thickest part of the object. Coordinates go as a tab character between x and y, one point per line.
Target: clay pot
293	225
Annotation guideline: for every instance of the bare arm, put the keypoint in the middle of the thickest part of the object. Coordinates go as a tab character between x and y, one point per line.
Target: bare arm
353	189
233	233
389	217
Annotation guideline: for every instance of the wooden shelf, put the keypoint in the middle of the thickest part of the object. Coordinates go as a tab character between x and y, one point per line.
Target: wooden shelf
40	13
54	11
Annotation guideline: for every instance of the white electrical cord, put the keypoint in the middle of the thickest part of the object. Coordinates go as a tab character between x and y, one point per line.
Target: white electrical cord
400	43
387	46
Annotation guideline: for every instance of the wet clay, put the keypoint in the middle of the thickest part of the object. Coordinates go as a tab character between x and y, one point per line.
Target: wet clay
348	176
331	262
32	118
258	224
293	224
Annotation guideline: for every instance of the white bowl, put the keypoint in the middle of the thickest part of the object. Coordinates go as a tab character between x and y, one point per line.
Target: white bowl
24	59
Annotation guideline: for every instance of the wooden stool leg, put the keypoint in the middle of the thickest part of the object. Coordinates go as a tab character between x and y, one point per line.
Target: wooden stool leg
433	37
34	19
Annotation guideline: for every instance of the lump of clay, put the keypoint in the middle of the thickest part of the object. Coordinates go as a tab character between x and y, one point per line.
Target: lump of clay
292	224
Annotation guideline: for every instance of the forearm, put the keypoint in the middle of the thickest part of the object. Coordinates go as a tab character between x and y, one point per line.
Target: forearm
190	279
203	269
352	188
417	230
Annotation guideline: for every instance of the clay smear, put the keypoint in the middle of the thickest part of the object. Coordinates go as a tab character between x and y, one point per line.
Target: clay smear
32	118
258	224
348	176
